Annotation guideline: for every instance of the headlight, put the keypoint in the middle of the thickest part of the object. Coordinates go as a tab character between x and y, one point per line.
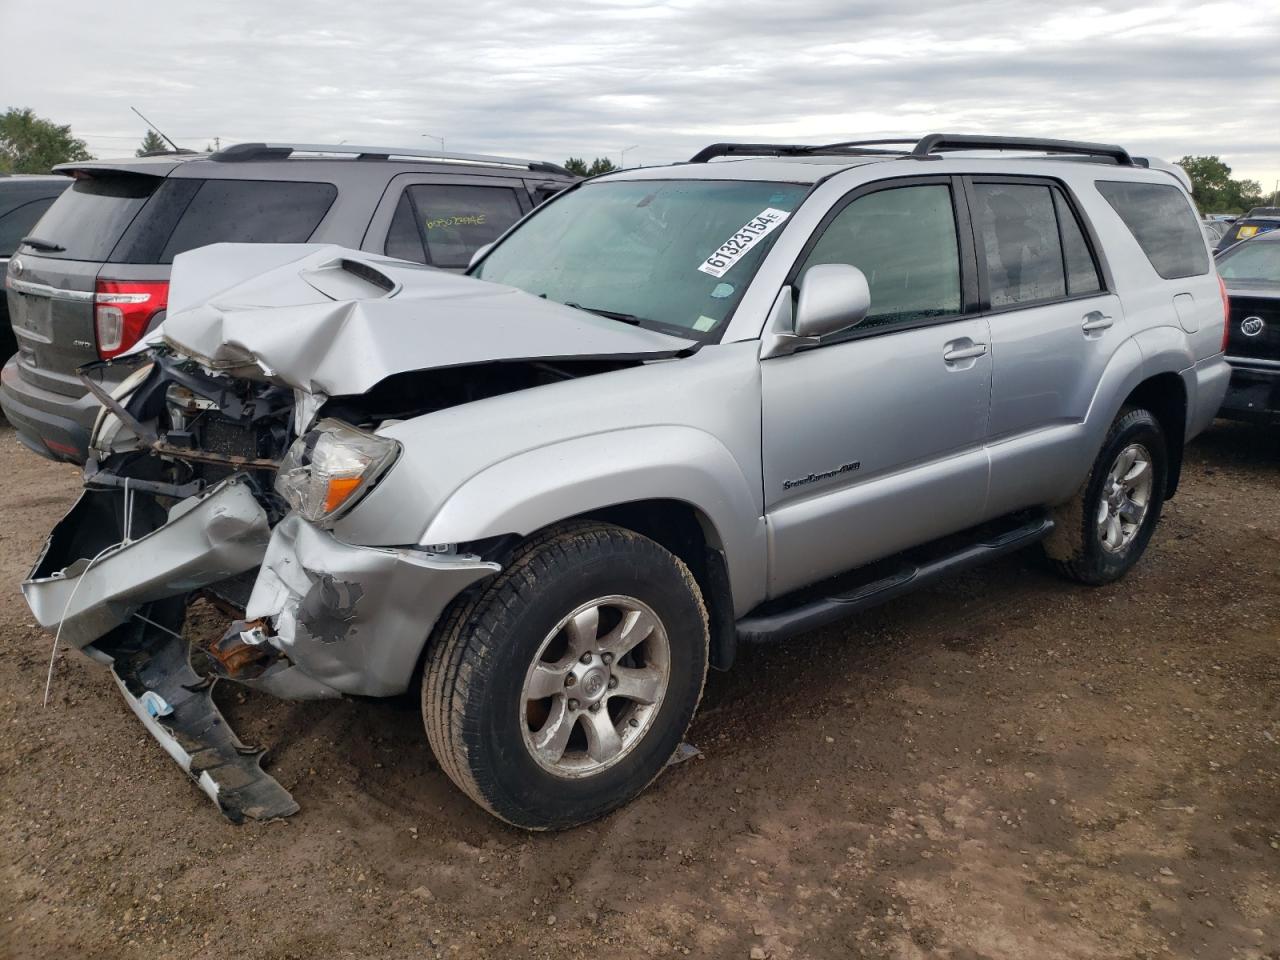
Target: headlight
327	469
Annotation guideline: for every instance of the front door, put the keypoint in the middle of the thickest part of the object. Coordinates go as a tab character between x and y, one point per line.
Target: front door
873	439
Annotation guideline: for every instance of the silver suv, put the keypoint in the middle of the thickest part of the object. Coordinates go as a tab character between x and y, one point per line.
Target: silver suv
672	411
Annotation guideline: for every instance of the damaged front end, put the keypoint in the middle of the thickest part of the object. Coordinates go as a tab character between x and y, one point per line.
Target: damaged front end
181	501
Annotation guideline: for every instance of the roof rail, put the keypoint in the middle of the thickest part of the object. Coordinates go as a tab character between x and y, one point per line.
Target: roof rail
926	148
930	145
245	152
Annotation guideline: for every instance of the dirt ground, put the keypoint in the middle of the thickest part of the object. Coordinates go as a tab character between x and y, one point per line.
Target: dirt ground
1008	766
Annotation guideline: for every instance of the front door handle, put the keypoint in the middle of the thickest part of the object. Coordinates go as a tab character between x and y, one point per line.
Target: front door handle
963	350
1096	320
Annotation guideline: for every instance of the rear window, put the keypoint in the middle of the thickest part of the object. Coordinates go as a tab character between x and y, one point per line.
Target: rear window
187	213
17	223
88	220
1162	221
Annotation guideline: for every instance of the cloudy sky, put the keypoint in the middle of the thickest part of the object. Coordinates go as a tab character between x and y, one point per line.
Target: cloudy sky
591	78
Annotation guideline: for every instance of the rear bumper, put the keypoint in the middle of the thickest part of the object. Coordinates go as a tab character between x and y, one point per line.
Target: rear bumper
52	424
1206	384
1253	394
352	619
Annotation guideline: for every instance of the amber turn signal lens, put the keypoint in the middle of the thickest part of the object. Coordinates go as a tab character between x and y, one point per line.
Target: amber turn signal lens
339	489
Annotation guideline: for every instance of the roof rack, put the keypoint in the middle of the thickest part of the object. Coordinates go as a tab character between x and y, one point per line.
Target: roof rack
245	152
926	148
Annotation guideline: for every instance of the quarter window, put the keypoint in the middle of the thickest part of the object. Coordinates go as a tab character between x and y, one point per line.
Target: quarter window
1161	219
1082	272
904	240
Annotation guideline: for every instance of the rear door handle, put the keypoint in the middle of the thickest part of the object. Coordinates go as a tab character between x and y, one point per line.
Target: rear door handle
1096	320
956	351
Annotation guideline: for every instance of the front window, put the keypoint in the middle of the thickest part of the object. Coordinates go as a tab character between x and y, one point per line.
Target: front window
1258	260
673	255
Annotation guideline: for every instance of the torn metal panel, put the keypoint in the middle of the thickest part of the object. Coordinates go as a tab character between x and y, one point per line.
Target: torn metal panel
84	593
353	618
175	704
275	325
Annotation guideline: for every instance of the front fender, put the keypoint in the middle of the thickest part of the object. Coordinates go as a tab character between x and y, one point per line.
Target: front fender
536	488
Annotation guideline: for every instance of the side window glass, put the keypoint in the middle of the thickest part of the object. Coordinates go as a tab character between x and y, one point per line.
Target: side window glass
904	240
459	220
17	223
1161	219
403	239
1082	273
1019	232
250	211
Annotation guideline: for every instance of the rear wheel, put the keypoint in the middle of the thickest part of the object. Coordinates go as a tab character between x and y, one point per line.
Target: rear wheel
560	692
1104	529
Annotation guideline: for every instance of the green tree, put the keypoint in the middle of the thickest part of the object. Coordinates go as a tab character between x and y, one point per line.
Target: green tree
1214	189
152	143
579	167
31	144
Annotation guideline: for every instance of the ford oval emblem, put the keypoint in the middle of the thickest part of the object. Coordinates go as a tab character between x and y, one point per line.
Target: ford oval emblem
1252	326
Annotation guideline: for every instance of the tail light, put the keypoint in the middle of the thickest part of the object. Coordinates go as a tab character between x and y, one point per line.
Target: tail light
1226	313
122	311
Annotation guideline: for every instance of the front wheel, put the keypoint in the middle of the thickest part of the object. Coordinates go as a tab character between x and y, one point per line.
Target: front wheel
1104	529
562	689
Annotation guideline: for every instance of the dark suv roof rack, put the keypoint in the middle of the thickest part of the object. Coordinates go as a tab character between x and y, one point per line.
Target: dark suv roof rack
245	152
926	148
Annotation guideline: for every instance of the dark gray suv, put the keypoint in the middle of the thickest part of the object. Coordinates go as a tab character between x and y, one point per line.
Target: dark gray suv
93	275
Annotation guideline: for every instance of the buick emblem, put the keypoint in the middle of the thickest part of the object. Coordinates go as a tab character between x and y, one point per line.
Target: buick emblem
1252	326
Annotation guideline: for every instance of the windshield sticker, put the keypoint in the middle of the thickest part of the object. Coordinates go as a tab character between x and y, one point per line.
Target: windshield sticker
721	291
741	243
704	323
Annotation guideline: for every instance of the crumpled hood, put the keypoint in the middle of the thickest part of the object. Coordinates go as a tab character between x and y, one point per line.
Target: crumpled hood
334	321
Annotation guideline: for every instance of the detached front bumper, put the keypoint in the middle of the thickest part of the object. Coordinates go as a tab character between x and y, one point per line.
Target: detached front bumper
350	619
80	590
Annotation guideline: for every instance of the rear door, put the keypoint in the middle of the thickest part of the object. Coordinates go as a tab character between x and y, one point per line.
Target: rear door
51	279
444	220
1054	327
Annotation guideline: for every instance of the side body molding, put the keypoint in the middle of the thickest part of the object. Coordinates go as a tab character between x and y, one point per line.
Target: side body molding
668	462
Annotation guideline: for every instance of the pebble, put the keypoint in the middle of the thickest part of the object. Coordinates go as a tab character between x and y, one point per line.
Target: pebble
757	953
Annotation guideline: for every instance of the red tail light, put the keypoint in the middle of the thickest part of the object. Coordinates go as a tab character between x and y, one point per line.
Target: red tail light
1226	313
122	311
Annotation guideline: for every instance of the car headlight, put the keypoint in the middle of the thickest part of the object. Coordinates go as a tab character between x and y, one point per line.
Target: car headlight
327	469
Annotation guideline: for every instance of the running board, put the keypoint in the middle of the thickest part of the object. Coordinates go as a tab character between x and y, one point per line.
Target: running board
881	582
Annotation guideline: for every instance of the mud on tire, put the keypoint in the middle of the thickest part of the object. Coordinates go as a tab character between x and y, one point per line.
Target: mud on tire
529	632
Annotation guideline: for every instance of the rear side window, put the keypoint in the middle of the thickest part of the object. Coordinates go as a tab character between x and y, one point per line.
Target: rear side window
250	211
188	213
404	239
1161	219
88	219
904	240
458	220
1082	271
1019	230
17	223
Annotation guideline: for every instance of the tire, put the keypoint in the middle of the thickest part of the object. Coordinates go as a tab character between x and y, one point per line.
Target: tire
525	635
1093	547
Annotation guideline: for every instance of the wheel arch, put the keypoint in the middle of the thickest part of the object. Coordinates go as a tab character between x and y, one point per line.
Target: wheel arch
1165	395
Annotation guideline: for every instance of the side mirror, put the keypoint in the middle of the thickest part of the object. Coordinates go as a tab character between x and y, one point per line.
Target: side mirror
479	255
833	296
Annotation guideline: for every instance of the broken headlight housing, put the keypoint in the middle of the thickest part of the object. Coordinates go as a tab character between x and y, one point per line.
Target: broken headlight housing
327	469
